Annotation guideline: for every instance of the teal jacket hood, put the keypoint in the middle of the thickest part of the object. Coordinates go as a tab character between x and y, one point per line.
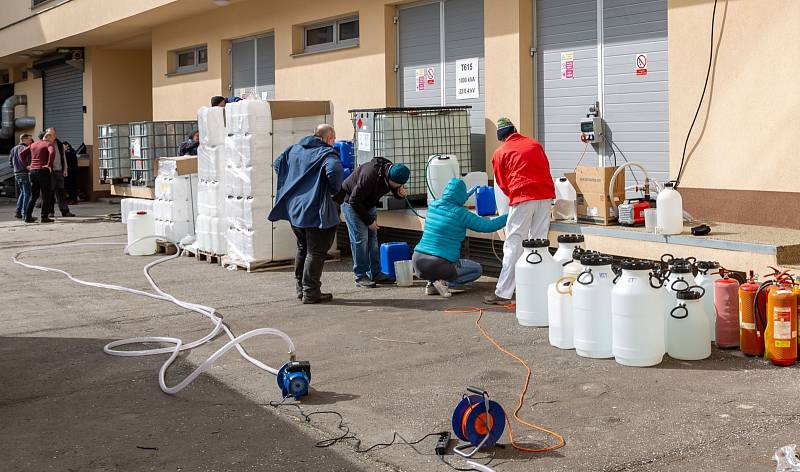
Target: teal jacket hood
455	193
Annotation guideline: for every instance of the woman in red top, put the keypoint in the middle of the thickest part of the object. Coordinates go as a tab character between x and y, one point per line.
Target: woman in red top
522	172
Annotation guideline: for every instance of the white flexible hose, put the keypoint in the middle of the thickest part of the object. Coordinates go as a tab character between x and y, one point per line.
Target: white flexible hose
179	346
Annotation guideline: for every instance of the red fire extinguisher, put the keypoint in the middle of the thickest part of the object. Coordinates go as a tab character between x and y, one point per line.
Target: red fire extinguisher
751	329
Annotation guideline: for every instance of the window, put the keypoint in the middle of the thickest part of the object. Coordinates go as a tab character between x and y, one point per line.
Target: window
190	60
335	34
36	3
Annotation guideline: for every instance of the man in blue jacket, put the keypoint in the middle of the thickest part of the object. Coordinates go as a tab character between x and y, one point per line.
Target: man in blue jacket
436	257
309	178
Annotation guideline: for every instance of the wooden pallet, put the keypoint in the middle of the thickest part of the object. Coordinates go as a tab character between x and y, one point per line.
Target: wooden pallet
209	257
115	181
166	248
264	266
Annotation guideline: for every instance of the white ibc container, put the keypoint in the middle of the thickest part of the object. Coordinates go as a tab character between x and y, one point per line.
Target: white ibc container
140	224
534	272
501	200
637	306
559	314
707	274
211	124
591	307
564	206
688	336
566	246
475	179
669	210
441	169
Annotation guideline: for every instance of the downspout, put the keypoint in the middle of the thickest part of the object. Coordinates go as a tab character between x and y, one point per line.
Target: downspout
7	121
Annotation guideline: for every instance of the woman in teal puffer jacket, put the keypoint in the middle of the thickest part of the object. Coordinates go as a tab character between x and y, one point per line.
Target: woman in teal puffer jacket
436	257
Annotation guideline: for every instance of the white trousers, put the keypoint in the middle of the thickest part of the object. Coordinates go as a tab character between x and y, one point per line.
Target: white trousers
526	220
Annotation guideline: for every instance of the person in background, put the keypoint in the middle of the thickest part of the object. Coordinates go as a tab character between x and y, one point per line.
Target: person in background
41	156
308	189
436	256
71	181
189	147
522	172
218	101
60	172
21	176
363	190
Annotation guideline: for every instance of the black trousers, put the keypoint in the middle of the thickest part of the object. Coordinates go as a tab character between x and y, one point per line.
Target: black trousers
58	195
312	248
40	184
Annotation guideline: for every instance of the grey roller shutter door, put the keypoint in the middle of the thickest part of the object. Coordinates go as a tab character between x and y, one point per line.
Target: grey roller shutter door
636	107
63	102
265	66
463	22
565	26
420	48
243	67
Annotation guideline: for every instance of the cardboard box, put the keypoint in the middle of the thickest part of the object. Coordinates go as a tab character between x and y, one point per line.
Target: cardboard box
185	165
594	204
125	190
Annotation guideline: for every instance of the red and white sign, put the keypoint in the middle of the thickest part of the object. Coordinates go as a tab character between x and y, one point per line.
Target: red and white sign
641	64
567	65
430	76
420	80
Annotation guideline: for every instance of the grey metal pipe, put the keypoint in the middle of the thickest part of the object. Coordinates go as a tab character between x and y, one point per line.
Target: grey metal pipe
25	122
7	116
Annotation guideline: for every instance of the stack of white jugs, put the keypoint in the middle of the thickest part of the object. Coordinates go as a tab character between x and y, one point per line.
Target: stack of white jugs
211	222
128	205
175	205
249	184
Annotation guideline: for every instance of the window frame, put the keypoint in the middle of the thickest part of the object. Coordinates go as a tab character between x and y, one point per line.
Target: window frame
196	66
337	43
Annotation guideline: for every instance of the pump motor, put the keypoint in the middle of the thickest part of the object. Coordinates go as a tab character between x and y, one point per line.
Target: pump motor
294	378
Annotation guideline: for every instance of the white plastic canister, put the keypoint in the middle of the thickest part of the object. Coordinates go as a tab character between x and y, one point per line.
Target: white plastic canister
559	313
591	307
140	224
475	179
501	200
687	327
669	208
534	272
441	168
637	307
707	273
564	206
566	246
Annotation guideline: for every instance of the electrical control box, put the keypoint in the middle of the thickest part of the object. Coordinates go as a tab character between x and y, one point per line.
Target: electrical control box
592	130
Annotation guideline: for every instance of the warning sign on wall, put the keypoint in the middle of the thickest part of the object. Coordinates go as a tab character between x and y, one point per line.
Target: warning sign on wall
420	80
567	65
430	76
641	64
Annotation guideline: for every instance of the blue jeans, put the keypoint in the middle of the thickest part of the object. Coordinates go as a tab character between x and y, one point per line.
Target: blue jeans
468	271
24	183
363	244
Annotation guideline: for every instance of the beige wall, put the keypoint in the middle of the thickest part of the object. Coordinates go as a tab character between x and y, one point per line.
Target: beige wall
32	88
746	139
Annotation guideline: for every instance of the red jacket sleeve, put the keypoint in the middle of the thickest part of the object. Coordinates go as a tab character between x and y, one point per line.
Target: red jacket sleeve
51	156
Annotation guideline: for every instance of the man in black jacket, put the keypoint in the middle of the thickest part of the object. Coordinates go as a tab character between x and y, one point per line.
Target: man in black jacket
57	177
363	190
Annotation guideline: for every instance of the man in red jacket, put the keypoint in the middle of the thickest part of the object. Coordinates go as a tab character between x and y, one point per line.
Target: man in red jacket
40	156
522	172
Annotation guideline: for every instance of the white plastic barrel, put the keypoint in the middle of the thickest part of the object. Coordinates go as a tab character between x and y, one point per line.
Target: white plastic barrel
441	168
501	200
707	273
566	246
591	307
534	272
688	338
559	313
669	208
680	278
140	224
564	206
475	179
637	307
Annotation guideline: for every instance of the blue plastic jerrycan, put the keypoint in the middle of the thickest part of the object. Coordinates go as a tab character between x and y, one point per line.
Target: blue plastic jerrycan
391	252
485	203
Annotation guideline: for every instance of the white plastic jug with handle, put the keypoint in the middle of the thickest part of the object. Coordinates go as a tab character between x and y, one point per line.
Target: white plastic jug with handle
564	206
404	273
534	272
140	224
669	208
591	307
559	313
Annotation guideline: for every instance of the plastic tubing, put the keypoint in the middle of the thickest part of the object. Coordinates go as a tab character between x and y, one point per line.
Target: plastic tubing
178	345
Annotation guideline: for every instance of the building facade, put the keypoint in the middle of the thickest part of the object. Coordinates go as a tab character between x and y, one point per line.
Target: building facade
542	63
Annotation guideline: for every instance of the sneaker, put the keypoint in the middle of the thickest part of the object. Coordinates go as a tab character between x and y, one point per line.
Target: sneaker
364	282
493	299
68	214
18	216
430	289
441	288
51	215
30	220
457	288
46	220
323	298
383	279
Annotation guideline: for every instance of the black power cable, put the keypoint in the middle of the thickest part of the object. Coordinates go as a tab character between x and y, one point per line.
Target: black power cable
702	97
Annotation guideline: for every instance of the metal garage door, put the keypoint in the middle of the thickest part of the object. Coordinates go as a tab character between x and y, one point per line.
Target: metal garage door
633	100
253	67
62	87
453	30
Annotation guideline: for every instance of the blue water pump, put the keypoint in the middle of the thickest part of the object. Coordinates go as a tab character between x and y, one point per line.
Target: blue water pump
294	378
